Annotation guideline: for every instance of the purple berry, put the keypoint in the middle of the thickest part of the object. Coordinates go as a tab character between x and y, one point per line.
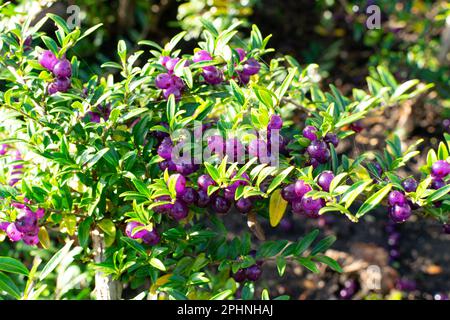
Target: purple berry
179	210
190	196
167	164
437	184
151	238
240	275
244	205
440	169
446	228
400	213
163	81
396	198
301	188
47	59
62	69
357	126
165	149
319	151
325	179
172	90
310	133
62	84
180	184
129	230
275	123
331	138
203	199
163	208
212	75
220	204
204	181
309	204
13	233
201	55
26	221
410	185
241	53
251	67
253	273
171	63
297	207
288	193
243	78
52	88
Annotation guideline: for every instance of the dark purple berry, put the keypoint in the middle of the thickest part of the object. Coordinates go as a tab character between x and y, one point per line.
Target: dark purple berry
190	196
253	273
396	198
62	69
163	81
357	126
48	60
446	228
220	204
331	138
275	123
288	193
151	238
179	210
310	133
203	199
201	55
400	213
324	180
62	84
180	184
437	184
244	205
301	188
204	181
251	67
240	275
129	230
440	169
165	149
410	185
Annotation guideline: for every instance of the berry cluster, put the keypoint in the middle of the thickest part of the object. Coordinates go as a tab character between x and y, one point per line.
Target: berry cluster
148	237
252	273
211	74
61	69
439	171
399	206
169	82
25	227
294	194
318	150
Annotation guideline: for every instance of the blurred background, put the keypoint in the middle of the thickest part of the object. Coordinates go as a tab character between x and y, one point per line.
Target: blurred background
409	261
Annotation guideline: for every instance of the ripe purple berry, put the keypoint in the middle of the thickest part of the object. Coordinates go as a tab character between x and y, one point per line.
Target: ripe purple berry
396	198
190	196
171	63
241	53
410	185
288	193
220	205
325	179
47	59
180	183
437	184
253	273
203	199
446	228
319	151
240	275
129	230
331	138
400	213
440	169
62	69
151	238
163	81
244	205
301	188
275	123
212	75
201	55
172	90
165	149
62	84
179	210
204	181
251	67
310	133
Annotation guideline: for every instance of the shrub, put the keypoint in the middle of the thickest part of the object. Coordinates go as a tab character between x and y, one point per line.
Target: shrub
139	169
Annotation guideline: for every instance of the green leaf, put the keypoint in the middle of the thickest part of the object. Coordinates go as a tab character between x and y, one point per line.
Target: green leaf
281	265
354	191
308	264
84	232
436	195
135	245
11	265
306	242
373	201
7	285
279	179
281	91
222	295
237	92
59	22
212	171
158	264
329	262
323	245
55	260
